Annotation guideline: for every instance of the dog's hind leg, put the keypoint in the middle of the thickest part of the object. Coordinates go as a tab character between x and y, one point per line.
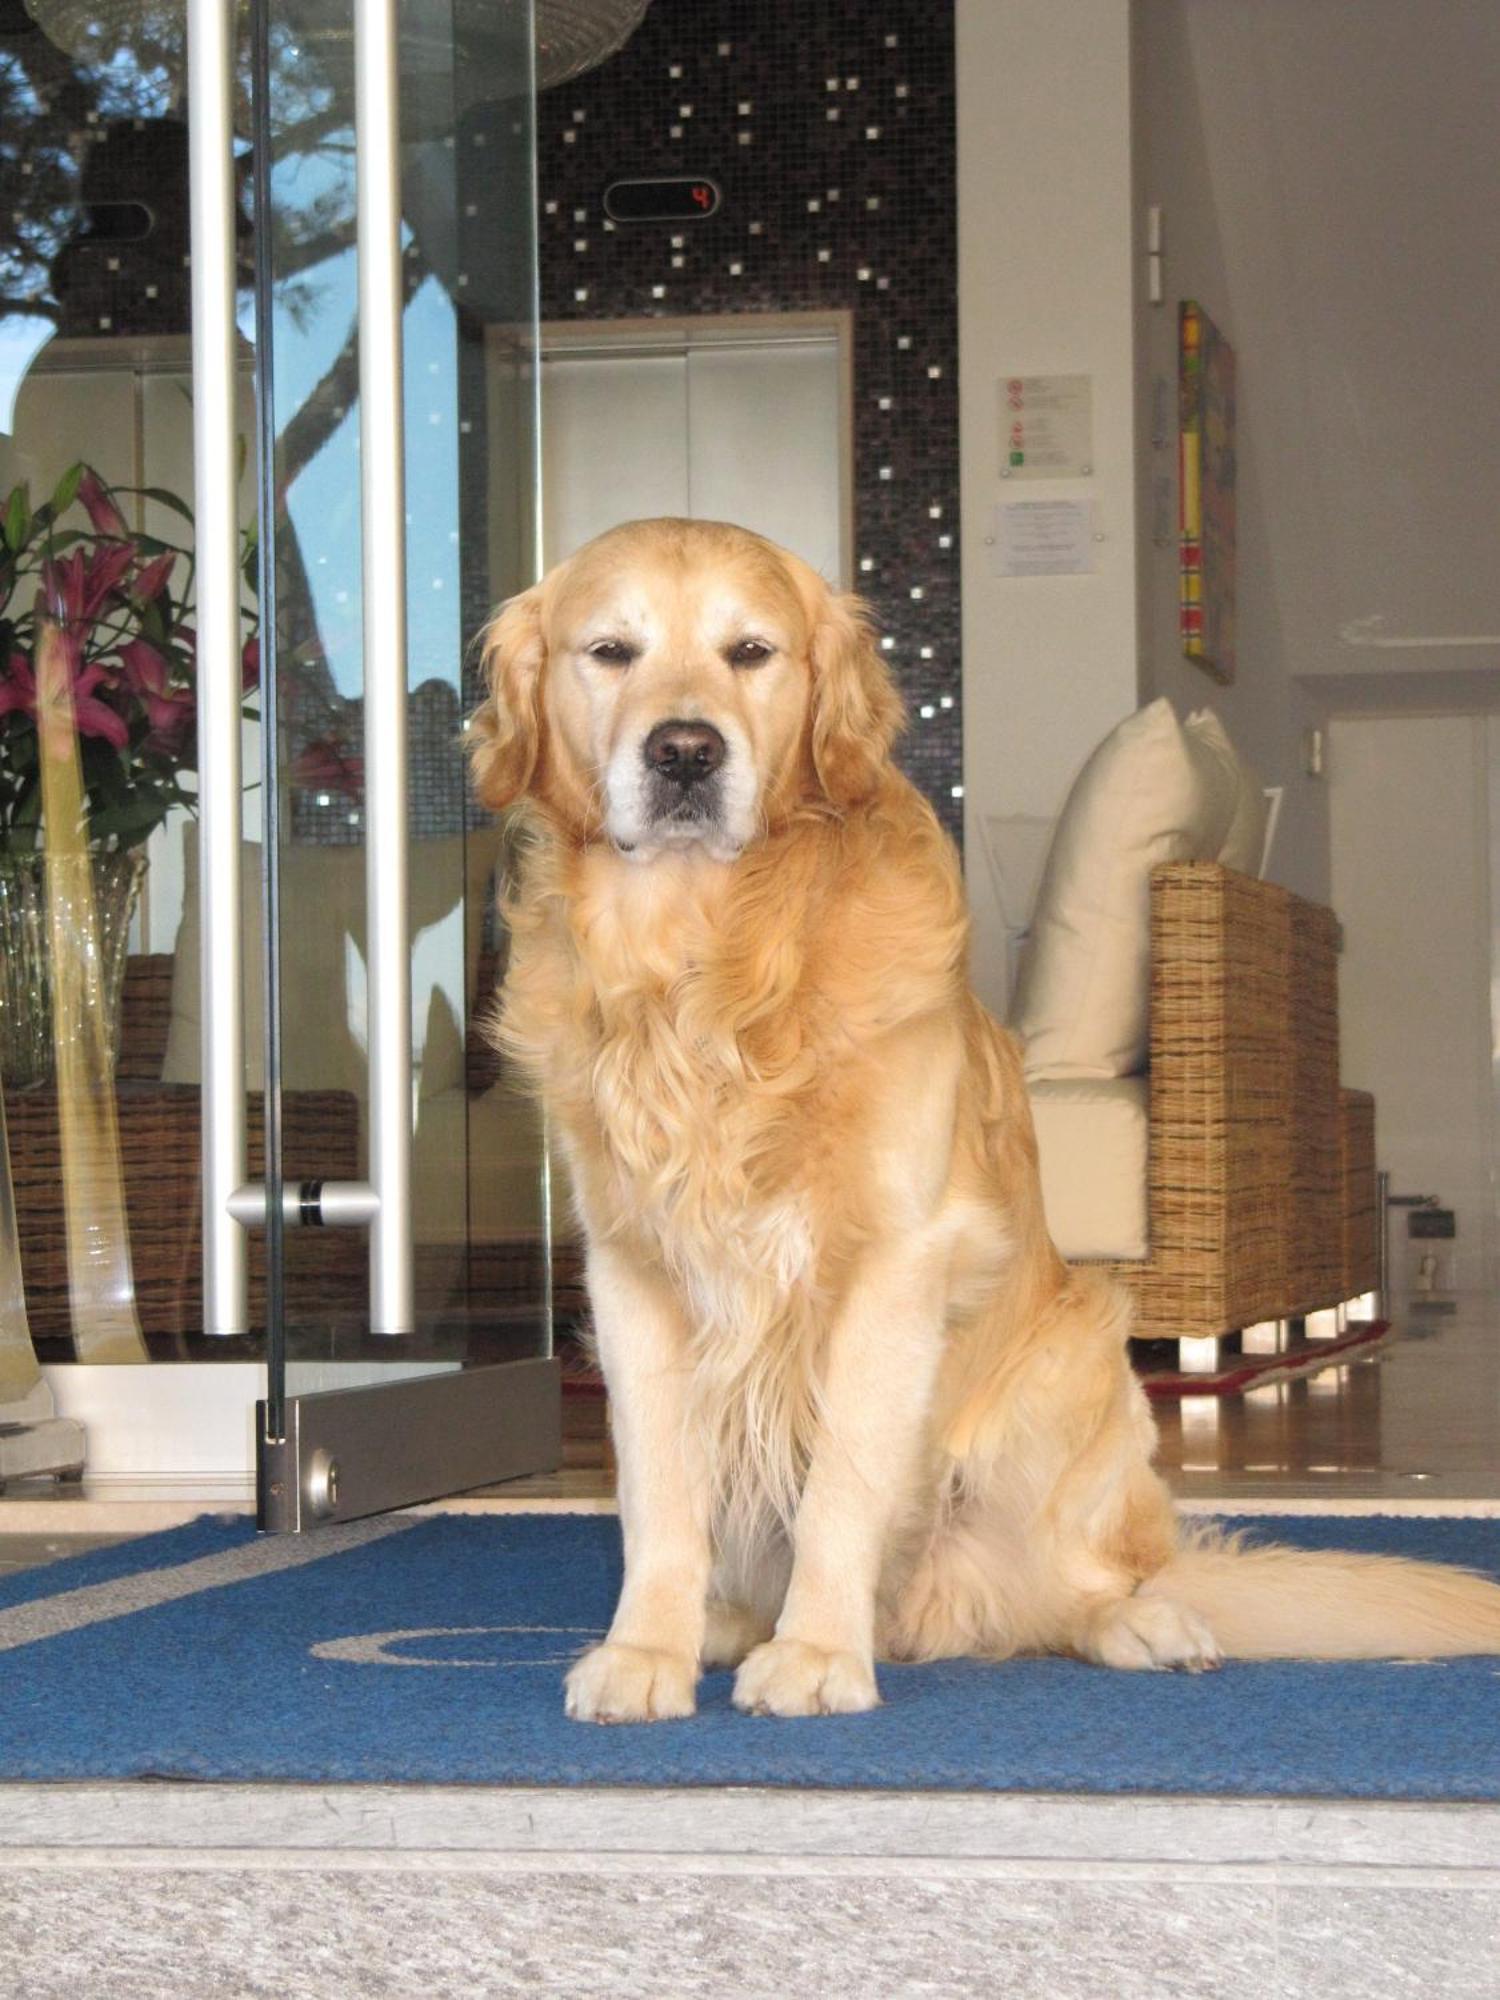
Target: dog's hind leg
1067	1528
1146	1632
1111	1556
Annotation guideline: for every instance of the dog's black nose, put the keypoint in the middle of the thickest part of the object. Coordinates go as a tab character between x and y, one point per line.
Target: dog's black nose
685	752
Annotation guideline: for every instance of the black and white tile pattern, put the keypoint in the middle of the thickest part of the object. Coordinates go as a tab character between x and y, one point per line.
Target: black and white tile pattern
829	131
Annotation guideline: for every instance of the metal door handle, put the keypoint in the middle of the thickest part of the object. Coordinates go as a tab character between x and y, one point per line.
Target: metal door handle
210	55
229	1203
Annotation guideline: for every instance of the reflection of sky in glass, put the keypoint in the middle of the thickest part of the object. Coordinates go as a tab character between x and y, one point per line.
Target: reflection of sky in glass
129	89
22	338
313	320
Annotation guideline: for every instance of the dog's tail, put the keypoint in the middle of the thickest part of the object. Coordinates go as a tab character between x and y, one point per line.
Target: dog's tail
1275	1603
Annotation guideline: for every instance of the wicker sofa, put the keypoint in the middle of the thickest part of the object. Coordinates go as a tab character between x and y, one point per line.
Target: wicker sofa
490	1258
1261	1193
160	1138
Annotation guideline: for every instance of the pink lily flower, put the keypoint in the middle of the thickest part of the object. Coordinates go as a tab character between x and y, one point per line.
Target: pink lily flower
61	695
75	586
151	578
102	511
148	676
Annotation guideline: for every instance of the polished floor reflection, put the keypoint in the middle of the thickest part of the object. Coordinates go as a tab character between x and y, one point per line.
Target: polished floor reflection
1418	1420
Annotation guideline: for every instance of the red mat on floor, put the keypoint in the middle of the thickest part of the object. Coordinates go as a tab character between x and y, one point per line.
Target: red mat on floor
1255	1371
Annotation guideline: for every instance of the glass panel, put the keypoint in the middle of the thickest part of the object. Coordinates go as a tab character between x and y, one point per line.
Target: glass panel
99	1059
480	1254
119	406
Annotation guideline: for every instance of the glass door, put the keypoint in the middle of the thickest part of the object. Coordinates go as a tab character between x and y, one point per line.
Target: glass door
404	1203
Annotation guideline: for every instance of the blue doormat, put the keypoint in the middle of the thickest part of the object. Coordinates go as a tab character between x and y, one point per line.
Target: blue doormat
431	1650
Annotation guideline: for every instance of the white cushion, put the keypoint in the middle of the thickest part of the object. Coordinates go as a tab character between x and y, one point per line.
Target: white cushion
323	958
1149	793
1244	844
1092	1139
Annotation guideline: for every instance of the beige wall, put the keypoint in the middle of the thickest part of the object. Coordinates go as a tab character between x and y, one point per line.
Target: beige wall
1412	888
1044	288
1239	123
1199	157
1329	196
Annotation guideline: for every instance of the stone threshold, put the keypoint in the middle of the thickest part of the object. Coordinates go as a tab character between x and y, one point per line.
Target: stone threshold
719	1830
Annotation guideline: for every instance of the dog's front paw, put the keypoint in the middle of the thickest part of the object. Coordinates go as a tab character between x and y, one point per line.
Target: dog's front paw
614	1683
786	1677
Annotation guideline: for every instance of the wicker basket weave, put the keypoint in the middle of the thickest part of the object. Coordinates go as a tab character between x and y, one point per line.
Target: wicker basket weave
160	1139
1246	1200
1361	1202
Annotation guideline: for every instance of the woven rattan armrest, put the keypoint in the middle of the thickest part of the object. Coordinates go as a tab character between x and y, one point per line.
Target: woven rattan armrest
160	1134
1261	1170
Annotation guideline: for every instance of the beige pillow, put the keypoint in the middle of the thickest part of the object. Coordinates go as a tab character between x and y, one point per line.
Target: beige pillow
323	960
1244	843
1148	794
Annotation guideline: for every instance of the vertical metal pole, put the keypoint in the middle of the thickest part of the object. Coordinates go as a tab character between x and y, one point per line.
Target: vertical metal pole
383	522
210	42
1383	1282
270	717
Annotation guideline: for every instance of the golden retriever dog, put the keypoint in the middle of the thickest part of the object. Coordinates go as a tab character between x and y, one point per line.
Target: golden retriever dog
862	1409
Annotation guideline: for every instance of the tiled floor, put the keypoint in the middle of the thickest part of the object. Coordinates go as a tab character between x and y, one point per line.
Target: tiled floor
27	1551
1420	1420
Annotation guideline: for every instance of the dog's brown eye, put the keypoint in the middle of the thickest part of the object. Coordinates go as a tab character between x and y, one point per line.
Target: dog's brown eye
612	653
749	653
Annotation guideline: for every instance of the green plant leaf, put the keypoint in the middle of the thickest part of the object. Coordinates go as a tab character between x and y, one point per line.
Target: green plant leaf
17	522
56	544
130	823
66	490
165	499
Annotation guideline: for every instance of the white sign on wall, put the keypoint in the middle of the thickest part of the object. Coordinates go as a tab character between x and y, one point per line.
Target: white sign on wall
1044	538
1046	426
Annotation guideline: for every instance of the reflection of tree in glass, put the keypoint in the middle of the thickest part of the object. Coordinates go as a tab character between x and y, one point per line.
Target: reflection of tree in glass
97	63
43	105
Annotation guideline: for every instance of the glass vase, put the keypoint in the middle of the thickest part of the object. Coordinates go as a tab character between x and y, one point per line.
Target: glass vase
26	1047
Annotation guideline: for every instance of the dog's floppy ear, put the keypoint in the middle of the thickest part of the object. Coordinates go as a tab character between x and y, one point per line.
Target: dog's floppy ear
856	710
505	734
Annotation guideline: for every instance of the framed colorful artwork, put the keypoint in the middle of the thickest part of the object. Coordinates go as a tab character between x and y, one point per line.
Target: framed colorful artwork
1206	483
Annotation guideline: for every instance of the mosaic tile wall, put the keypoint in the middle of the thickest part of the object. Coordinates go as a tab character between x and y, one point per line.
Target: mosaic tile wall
77	165
829	130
